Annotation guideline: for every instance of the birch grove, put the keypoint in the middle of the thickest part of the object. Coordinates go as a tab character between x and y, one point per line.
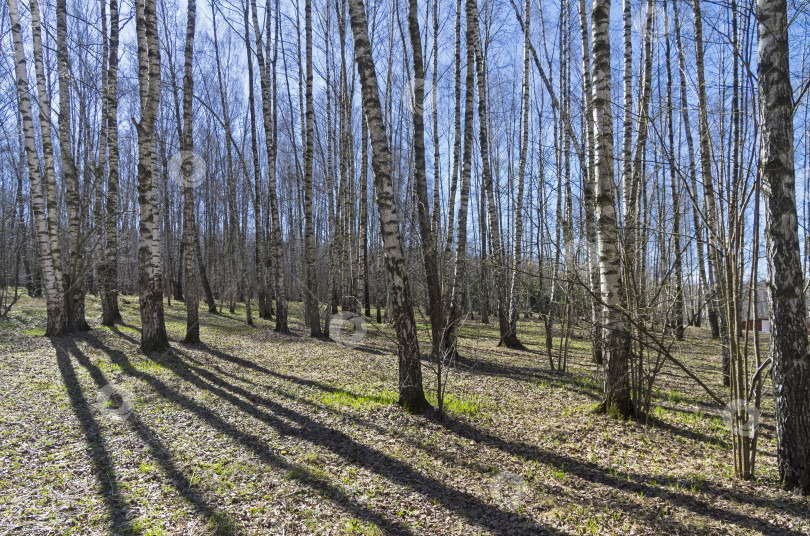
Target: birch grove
548	180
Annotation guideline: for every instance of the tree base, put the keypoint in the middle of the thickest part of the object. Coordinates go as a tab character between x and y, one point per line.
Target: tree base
155	346
793	483
414	402
616	410
111	320
282	328
513	343
191	338
79	326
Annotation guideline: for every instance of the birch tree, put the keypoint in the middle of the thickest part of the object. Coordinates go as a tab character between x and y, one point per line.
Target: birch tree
693	187
311	301
677	268
508	337
260	249
460	265
426	228
110	312
629	207
153	327
75	280
716	290
617	338
451	201
411	393
588	186
268	88
186	152
791	363
524	148
42	183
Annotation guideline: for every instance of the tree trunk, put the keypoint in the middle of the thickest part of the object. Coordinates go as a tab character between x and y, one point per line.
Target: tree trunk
259	243
483	275
717	290
588	188
237	236
268	87
508	337
524	147
48	244
629	209
204	282
186	153
437	221
329	174
311	292
617	345
698	227
634	265
451	200
109	302
363	233
429	250
677	268
153	328
178	282
49	168
791	364
99	166
459	276
411	393
75	281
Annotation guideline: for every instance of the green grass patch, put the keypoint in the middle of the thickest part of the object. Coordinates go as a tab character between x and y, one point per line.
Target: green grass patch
35	332
354	526
461	404
347	399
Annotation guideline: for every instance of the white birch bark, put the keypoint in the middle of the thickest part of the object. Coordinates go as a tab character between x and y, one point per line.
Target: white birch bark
75	292
617	339
311	288
524	148
153	329
186	152
268	88
110	311
411	393
51	270
791	363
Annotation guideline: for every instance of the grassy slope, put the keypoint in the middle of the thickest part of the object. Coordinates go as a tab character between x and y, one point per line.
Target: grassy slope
256	433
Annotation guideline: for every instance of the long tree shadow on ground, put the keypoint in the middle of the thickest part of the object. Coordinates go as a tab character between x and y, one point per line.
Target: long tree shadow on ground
464	504
102	465
252	442
632	482
182	484
532	374
580	385
476	511
635	483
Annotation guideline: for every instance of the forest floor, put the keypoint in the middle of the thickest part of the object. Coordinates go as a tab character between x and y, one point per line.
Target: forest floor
252	432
